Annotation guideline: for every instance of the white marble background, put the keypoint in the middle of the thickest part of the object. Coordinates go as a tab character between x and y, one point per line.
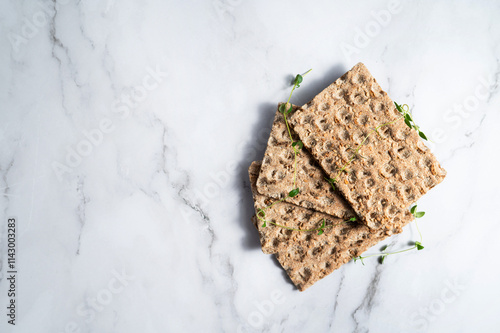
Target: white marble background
127	128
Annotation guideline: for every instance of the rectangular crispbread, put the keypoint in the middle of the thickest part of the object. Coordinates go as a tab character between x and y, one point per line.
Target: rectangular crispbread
305	267
394	168
274	239
306	256
278	171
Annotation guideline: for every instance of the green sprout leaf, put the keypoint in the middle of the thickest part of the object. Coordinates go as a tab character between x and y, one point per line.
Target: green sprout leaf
293	193
398	107
298	80
383	248
264	224
409	120
282	108
360	258
352	219
331	181
408	123
382	258
298	143
419	214
414	212
419	246
321	229
289	110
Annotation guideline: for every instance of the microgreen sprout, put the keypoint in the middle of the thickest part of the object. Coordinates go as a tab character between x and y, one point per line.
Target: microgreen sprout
293	192
299	144
321	229
286	109
405	111
417	244
331	181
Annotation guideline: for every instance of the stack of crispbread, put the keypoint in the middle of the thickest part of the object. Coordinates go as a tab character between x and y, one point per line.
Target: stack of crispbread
393	170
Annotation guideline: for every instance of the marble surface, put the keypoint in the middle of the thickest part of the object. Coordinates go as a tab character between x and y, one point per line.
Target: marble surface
127	128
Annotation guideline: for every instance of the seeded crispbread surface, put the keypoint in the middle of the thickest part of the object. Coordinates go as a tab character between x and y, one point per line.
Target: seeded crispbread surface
395	169
306	256
277	174
274	238
305	265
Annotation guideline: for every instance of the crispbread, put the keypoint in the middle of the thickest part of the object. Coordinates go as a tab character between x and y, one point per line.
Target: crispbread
306	256
337	233
274	239
277	173
306	266
396	168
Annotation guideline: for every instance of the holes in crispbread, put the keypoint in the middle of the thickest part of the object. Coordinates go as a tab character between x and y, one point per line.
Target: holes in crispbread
325	127
384	132
263	181
409	193
329	145
359	79
352	178
311	142
365	173
363	120
379	107
369	161
317	250
276	242
392	210
344	116
344	135
337	93
407	175
403	152
388	171
400	134
358	137
429	182
359	98
305	274
324	106
307	119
